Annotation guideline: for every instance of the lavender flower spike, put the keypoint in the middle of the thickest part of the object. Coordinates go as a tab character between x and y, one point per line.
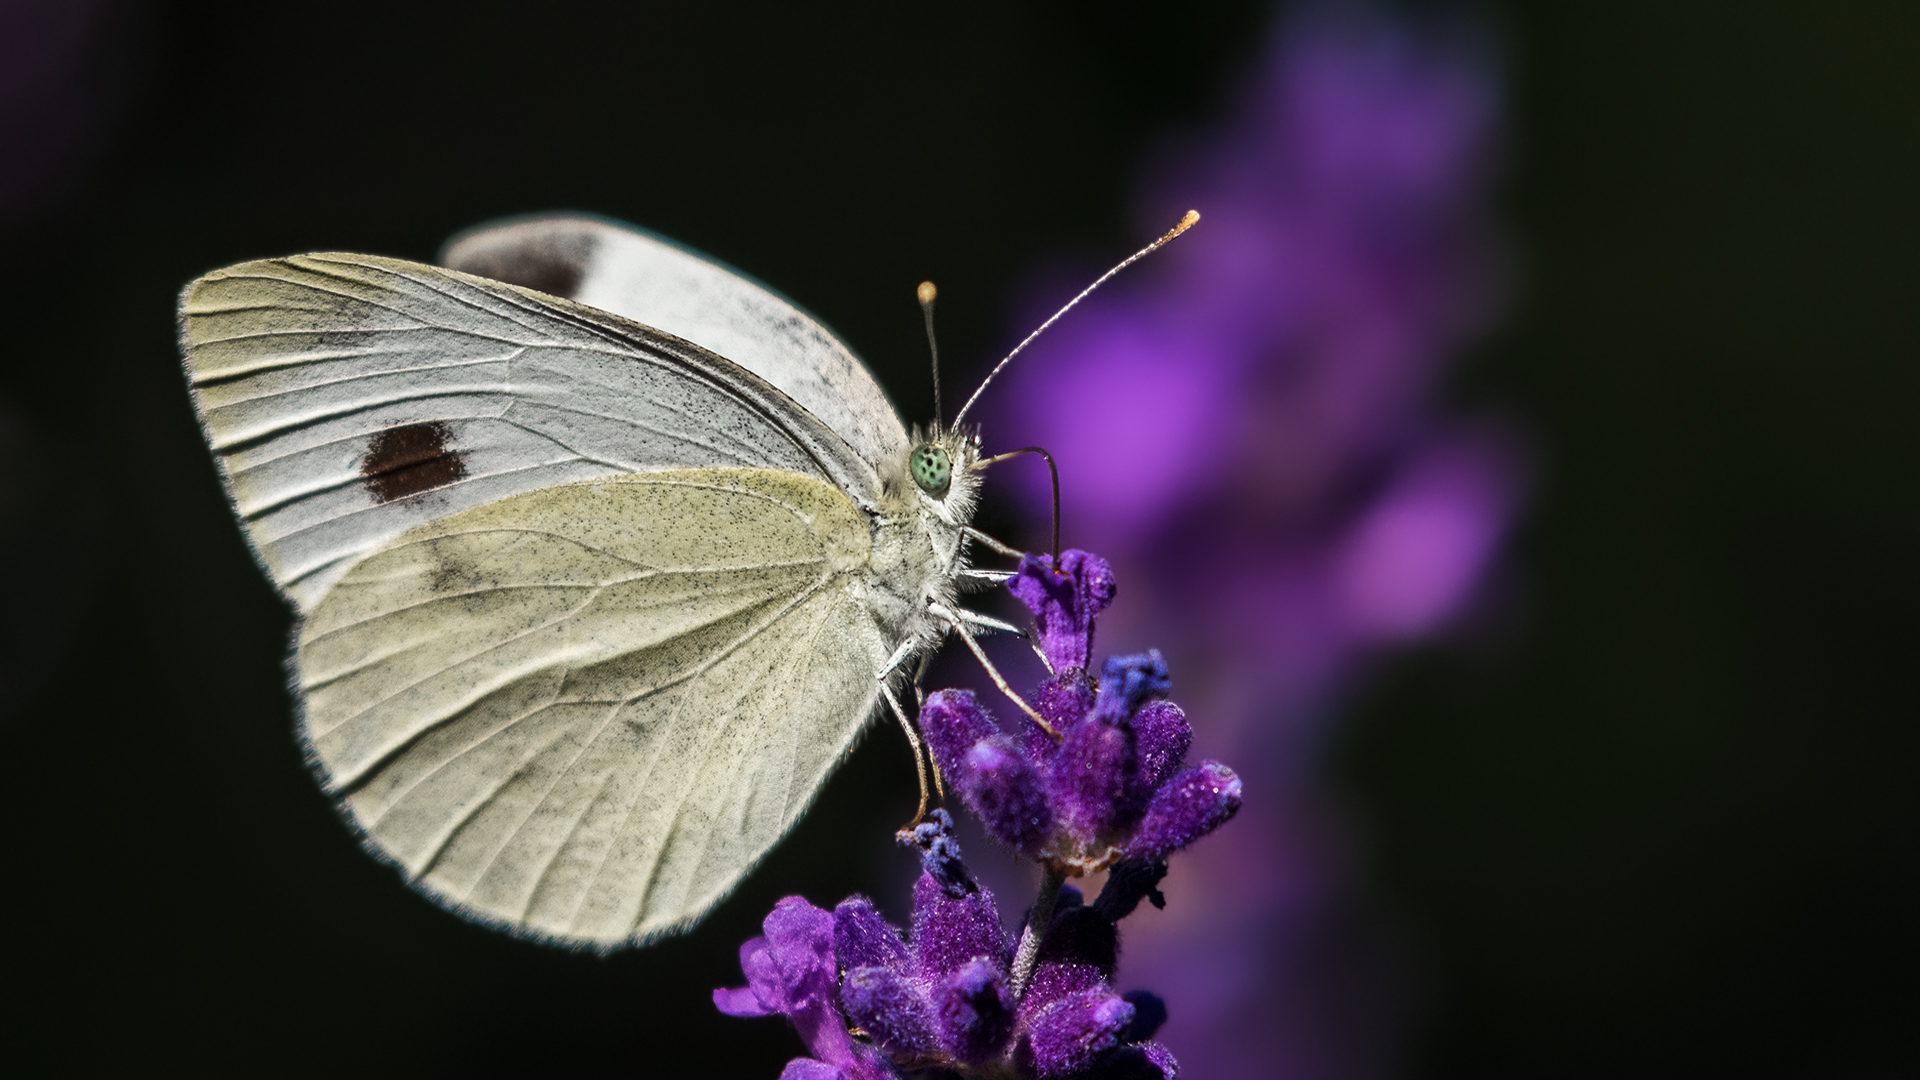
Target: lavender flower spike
941	1006
1105	785
1107	788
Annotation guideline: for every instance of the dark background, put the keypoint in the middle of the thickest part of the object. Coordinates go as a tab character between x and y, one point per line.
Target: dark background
1665	827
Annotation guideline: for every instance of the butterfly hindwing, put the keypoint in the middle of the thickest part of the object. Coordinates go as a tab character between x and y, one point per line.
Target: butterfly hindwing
652	280
349	398
585	711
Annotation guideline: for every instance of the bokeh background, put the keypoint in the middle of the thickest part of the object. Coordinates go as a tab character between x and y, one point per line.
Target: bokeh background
1642	800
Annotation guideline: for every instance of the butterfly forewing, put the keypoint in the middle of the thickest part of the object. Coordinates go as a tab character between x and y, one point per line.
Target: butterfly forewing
351	397
585	711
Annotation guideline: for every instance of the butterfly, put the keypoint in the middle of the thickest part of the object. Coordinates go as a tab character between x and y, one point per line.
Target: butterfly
603	554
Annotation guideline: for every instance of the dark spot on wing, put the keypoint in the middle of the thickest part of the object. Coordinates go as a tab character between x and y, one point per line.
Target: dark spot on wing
551	260
407	460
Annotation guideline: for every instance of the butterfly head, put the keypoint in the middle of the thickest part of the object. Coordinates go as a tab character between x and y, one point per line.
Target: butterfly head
941	467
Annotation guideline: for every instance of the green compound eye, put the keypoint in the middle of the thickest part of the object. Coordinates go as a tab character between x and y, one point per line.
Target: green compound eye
931	469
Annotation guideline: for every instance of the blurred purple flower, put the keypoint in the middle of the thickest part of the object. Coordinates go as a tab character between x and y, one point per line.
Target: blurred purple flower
1291	498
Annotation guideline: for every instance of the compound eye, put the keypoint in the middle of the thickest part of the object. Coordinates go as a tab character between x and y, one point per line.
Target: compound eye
931	469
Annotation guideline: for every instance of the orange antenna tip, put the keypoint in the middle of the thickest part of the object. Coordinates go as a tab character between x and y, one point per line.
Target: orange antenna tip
926	292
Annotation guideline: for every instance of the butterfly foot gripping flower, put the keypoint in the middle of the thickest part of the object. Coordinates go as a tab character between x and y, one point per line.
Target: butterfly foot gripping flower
1109	782
870	1004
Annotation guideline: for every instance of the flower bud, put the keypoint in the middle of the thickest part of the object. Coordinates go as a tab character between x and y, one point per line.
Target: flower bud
1087	780
1065	700
1069	1034
1002	789
1161	737
952	721
973	1011
861	938
1190	806
1127	682
885	1005
948	931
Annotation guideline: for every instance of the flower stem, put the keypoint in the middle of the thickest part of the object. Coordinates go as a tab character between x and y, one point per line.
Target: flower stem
1042	917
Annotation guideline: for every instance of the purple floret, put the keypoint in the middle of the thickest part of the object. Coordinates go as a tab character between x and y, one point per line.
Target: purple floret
1191	805
1161	737
889	1007
1070	1034
952	721
1003	790
974	1011
861	938
949	931
1088	777
1064	602
1064	700
791	970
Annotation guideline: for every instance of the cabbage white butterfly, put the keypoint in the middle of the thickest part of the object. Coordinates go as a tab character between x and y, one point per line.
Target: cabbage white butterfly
603	554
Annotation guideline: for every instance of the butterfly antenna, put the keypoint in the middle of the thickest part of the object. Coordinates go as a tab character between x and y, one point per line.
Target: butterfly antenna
926	292
1186	223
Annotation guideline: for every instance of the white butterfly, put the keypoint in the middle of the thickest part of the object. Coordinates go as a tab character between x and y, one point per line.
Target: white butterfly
603	556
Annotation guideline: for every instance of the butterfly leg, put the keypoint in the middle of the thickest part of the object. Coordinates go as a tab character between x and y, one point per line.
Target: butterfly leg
1000	577
913	740
920	702
974	618
959	625
922	763
1004	549
988	622
920	673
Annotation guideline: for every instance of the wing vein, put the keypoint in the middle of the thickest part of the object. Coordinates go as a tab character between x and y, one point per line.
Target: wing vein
362	376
